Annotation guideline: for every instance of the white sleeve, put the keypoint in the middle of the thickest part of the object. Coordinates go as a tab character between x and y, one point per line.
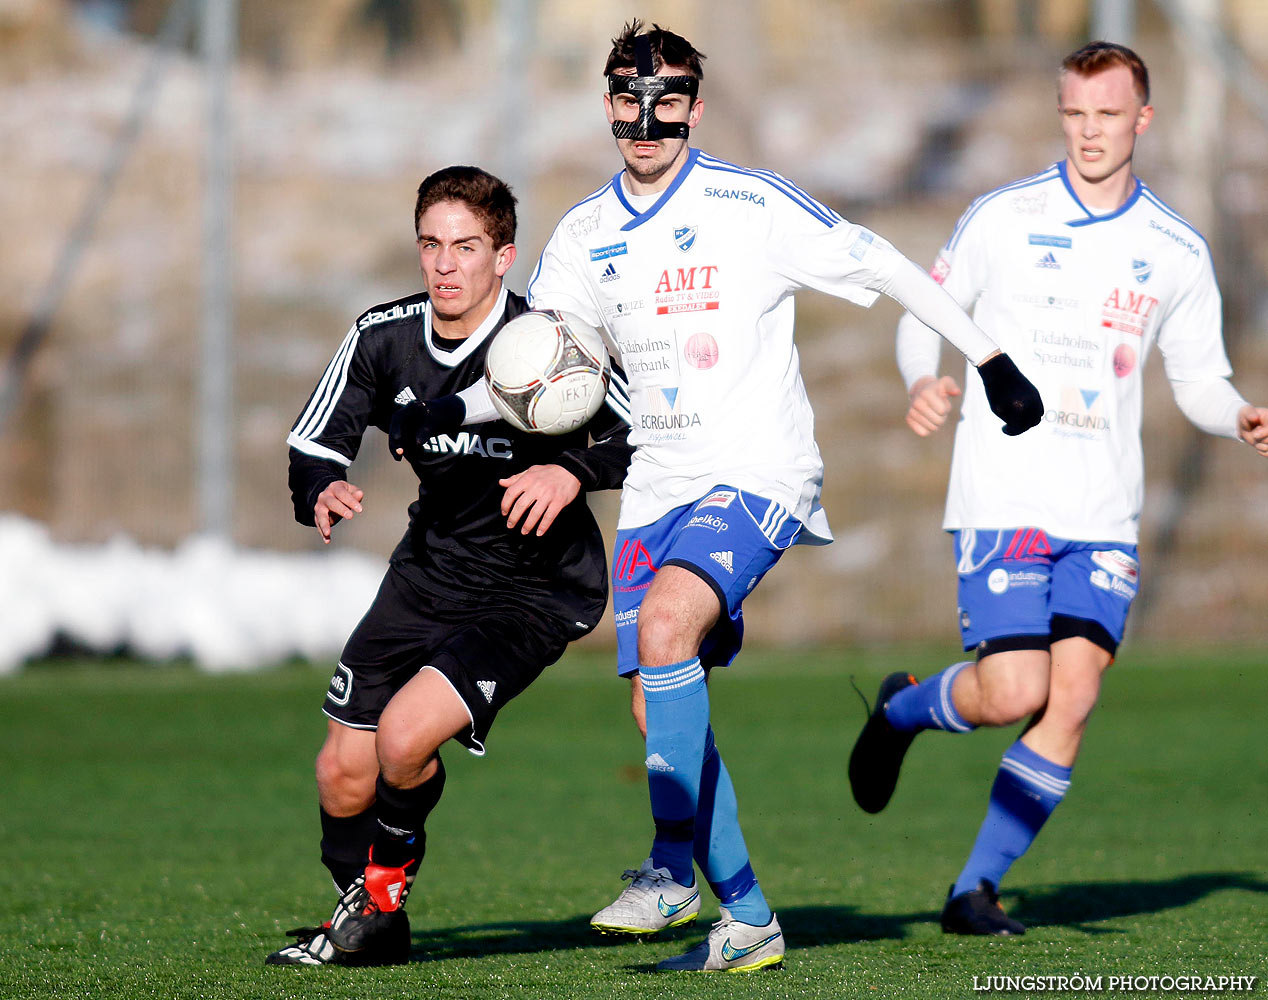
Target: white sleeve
558	284
960	270
478	403
919	350
854	263
1191	340
1191	334
1211	404
931	305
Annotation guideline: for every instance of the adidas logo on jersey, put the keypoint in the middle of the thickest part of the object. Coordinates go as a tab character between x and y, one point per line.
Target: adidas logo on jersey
609	273
486	689
658	763
723	559
1049	261
406	395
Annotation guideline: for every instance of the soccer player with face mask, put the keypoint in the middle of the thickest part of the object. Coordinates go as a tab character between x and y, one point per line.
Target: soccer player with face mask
1077	271
689	263
501	566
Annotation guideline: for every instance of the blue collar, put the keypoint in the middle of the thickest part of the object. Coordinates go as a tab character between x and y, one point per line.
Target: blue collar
668	193
1091	218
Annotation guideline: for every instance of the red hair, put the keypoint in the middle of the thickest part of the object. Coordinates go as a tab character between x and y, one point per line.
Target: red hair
1097	57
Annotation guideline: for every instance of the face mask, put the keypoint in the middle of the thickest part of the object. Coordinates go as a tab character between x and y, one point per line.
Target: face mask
648	89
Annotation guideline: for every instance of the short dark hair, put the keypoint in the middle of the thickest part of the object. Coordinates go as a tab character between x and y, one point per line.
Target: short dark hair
489	199
668	49
1096	57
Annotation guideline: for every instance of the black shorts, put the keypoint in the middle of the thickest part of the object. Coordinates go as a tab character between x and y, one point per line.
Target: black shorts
489	653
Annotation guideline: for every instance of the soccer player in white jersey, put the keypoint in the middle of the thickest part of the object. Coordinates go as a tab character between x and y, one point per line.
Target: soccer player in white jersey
1077	272
688	263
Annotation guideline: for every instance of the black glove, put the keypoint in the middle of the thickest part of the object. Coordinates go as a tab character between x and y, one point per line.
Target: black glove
414	424
1012	396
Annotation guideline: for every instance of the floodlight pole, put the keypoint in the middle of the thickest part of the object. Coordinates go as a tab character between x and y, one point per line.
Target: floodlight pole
213	414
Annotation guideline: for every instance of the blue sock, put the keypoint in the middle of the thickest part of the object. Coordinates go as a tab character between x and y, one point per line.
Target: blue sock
677	703
1026	790
719	849
928	705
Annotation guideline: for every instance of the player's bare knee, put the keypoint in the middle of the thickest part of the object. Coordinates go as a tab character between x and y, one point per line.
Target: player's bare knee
343	788
1007	700
405	755
660	637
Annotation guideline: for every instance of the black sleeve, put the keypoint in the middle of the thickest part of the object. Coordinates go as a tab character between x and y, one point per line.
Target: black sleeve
308	476
603	465
332	423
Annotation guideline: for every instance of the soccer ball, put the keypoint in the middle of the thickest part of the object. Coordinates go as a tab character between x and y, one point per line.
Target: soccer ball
547	372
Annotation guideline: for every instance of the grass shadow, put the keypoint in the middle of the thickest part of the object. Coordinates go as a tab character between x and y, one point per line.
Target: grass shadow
1080	904
1077	905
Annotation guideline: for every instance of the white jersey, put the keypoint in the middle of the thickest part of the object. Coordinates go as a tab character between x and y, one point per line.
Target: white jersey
695	295
1077	300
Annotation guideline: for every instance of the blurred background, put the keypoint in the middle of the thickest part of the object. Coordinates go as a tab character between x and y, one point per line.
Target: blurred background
199	196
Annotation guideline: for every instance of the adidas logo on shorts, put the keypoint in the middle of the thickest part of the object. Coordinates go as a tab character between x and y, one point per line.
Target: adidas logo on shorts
723	559
486	689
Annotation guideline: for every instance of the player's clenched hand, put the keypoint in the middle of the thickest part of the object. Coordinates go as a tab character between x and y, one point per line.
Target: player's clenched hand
930	403
1013	397
534	497
337	501
1252	427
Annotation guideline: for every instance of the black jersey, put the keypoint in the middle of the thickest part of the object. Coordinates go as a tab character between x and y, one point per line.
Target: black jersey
457	543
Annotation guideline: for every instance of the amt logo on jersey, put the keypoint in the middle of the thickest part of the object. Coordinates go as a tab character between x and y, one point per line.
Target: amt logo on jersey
684	279
1127	311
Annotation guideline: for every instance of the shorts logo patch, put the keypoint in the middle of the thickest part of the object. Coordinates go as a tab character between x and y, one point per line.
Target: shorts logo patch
340	685
723	559
718	498
658	763
997	582
1118	563
1114	584
486	689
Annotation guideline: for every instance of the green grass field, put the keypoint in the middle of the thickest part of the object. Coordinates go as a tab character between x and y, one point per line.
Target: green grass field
159	833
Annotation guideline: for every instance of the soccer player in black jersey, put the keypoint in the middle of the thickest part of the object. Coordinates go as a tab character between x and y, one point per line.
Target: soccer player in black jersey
502	564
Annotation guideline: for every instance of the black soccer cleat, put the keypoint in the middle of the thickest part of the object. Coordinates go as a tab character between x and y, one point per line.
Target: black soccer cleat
368	920
878	753
978	912
313	947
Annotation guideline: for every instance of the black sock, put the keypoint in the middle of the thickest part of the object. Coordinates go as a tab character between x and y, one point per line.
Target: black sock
345	844
402	812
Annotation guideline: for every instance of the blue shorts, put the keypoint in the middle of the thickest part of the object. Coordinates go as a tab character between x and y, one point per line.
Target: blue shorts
729	539
1021	588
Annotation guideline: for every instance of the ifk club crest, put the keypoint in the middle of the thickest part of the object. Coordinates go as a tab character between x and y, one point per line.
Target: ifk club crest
1141	269
685	237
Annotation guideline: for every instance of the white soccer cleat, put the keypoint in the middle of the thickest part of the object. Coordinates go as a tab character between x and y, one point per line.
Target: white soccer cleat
650	903
732	946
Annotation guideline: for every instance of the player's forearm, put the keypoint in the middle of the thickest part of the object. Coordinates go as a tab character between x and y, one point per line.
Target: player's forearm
930	304
307	477
603	465
918	350
1211	405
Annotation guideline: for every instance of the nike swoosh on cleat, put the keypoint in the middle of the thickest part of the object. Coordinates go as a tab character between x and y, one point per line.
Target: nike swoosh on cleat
668	910
731	954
